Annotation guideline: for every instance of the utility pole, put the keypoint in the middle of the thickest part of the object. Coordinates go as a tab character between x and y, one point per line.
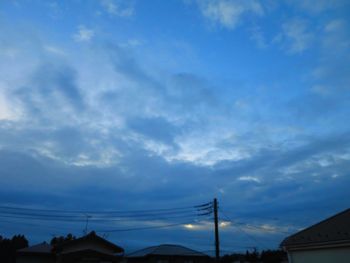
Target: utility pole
86	226
208	209
216	223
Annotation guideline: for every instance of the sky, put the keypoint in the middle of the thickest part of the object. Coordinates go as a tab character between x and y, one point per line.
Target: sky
111	105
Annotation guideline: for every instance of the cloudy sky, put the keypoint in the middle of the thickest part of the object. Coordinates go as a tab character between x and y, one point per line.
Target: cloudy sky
136	105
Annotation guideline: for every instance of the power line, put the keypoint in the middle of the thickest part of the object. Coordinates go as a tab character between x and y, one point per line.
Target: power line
244	232
41	226
247	225
251	237
184	208
140	228
261	228
100	219
164	214
160	218
192	213
72	228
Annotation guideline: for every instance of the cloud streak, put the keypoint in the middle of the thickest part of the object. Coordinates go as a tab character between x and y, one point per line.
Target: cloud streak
117	8
84	34
229	13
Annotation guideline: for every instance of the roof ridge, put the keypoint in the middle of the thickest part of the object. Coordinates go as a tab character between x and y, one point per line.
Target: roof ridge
137	251
174	245
163	249
91	235
39	244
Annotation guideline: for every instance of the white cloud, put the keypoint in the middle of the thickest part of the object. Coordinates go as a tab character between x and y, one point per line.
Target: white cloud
334	25
83	34
204	148
106	158
114	7
199	226
9	52
258	37
335	175
318	6
265	229
320	89
54	50
331	74
228	13
132	43
249	178
6	111
336	37
295	36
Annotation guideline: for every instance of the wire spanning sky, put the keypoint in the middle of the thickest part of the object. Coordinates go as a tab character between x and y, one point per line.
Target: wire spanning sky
111	105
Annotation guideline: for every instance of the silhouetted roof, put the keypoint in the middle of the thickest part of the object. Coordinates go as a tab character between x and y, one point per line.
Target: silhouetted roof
331	231
167	250
92	237
43	248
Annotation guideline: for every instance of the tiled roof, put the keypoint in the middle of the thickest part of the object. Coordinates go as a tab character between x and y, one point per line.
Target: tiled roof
331	231
168	250
43	248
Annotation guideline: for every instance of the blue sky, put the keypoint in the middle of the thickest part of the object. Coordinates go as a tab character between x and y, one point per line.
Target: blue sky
127	105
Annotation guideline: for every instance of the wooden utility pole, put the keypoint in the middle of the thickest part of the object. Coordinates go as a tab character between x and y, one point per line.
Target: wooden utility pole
216	222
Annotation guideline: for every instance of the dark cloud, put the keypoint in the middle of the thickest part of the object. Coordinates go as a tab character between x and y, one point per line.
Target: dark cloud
192	92
155	128
51	88
50	78
167	95
126	64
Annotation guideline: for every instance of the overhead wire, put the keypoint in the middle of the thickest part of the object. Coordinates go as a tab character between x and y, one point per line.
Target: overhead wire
251	226
92	219
45	215
184	208
243	231
140	228
100	218
76	216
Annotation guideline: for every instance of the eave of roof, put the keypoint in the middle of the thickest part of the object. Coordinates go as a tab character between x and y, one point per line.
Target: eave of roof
319	245
334	230
42	248
89	251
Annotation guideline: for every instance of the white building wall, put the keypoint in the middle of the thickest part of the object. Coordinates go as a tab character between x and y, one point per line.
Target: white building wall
330	255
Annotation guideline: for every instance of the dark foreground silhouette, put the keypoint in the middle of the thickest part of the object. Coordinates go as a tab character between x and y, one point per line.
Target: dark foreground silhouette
266	256
9	246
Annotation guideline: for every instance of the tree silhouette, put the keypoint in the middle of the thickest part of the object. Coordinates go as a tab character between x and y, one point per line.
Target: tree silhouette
56	241
8	247
266	256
